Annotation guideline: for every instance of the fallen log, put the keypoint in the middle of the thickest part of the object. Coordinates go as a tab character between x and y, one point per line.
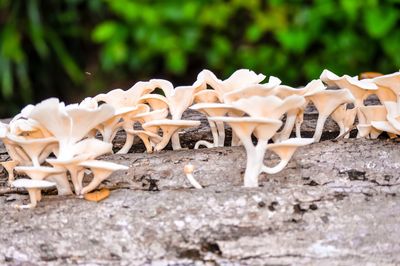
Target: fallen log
336	202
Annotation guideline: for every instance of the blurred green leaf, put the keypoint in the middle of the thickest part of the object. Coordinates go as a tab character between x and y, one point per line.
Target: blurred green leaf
379	21
176	61
294	40
105	31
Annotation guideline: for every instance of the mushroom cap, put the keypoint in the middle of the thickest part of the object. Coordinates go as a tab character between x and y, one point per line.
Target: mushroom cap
385	126
245	119
96	164
68	162
363	84
153	115
293	142
261	90
69	123
22	140
373	113
206	96
286	149
31	183
351	83
161	101
43	169
242	77
391	81
144	133
188	169
124	110
269	107
216	109
173	123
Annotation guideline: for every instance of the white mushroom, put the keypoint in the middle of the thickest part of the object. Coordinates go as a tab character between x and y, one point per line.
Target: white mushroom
168	128
34	189
101	170
188	170
217	128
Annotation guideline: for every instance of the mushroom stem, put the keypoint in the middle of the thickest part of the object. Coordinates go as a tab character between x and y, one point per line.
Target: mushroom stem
33	196
255	158
189	174
98	177
204	143
128	143
276	169
320	126
299	121
221	133
252	168
62	184
214	132
289	125
176	144
235	139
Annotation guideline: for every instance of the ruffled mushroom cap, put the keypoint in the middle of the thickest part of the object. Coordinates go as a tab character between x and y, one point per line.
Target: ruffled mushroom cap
393	114
69	124
283	91
28	128
385	126
206	96
214	109
249	91
39	172
285	151
151	116
101	170
326	102
57	175
374	113
344	118
168	127
268	107
360	89
34	189
391	81
119	98
239	79
32	147
155	101
109	128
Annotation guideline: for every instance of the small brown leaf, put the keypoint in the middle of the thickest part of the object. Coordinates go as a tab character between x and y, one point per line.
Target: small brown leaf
369	75
97	195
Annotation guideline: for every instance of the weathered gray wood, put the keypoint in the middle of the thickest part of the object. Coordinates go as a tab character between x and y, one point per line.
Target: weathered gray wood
336	203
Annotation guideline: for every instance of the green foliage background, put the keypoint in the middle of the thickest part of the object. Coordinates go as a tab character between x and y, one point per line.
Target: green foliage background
73	48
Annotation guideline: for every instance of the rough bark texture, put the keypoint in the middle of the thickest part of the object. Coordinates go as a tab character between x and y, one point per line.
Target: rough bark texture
336	203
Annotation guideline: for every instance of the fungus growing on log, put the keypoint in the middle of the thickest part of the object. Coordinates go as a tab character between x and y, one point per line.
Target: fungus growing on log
188	170
34	188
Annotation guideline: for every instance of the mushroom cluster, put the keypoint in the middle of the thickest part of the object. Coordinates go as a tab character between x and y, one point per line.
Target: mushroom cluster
372	119
51	143
56	144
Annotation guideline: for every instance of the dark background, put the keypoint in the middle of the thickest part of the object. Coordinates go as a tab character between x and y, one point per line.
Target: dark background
75	48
